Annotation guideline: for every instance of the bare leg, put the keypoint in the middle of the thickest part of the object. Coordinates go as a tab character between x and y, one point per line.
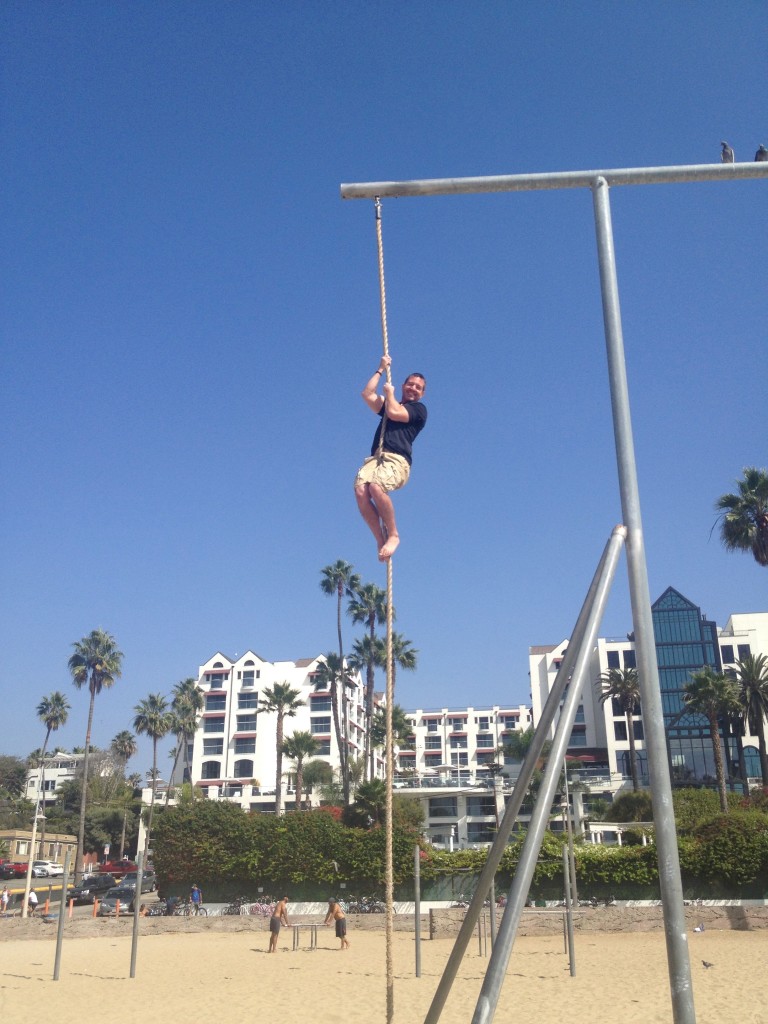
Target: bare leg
370	513
386	512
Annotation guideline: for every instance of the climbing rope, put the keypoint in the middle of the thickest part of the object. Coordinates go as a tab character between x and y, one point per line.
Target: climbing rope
390	690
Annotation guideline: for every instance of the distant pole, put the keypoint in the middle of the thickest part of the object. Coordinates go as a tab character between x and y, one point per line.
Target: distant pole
136	909
62	909
417	906
569	909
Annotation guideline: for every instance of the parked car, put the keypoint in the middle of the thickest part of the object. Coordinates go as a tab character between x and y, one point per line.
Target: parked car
122	894
92	887
117	867
13	869
47	868
148	880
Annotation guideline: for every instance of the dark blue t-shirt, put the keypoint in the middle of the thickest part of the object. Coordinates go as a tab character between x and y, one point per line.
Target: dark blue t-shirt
399	437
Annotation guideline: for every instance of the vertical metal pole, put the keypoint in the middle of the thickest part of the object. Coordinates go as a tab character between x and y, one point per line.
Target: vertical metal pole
62	909
569	909
569	827
493	912
661	790
417	906
136	909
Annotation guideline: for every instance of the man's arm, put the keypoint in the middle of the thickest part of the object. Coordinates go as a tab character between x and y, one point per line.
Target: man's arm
371	397
394	410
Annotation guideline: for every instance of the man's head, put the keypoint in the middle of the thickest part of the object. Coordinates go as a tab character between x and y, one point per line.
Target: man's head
414	387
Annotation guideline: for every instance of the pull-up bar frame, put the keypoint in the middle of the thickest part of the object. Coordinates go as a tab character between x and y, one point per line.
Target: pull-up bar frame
661	789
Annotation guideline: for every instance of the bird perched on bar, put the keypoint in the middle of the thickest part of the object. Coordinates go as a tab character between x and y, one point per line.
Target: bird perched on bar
727	153
761	154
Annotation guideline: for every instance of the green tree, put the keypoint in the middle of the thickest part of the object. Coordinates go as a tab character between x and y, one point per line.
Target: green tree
96	663
744	515
299	746
53	712
152	718
368	606
187	703
401	725
13	776
751	677
124	747
371	798
330	676
338	580
284	701
319	775
623	686
712	695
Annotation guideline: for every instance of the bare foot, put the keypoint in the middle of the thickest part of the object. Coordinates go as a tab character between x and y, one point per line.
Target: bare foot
388	549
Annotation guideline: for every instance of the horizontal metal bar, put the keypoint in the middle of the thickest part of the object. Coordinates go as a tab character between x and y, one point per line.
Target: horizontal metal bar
554	180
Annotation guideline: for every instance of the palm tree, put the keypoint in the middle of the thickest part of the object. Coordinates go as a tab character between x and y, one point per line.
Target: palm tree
371	797
623	686
337	580
404	655
152	719
284	701
401	725
751	677
124	747
53	712
329	676
713	695
187	703
299	746
368	605
744	516
96	663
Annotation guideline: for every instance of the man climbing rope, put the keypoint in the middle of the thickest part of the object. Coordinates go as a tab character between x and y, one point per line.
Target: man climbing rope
388	469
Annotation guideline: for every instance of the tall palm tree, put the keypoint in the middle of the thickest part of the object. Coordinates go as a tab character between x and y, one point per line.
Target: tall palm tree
299	746
713	695
284	701
368	606
124	747
623	686
154	719
187	703
401	725
337	580
751	677
371	797
96	663
744	516
53	712
329	676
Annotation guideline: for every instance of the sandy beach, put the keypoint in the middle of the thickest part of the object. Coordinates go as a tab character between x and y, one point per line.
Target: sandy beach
221	970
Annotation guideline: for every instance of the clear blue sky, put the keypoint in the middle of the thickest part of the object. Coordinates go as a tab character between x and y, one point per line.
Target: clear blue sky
189	312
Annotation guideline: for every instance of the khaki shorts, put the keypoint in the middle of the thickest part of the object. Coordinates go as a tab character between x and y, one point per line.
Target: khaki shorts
390	474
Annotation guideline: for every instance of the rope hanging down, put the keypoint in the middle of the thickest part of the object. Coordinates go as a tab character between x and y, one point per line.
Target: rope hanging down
390	691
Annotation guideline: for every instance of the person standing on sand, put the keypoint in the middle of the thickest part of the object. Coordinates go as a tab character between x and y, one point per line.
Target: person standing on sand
4	898
32	903
279	917
196	895
335	913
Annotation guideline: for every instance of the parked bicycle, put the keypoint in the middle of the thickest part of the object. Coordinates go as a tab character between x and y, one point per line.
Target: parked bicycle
239	905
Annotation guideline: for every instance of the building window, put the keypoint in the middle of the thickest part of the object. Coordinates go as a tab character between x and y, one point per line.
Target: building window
459	760
250	676
484	741
320	725
244	769
432	743
480	832
510	721
481	806
620	731
213	724
432	760
211	770
485	756
213	748
458	742
246	723
323	748
726	653
612	659
432	725
458	724
245	745
630	660
216	679
744	651
321	703
216	702
247	700
483	723
442	807
637	728
578	739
